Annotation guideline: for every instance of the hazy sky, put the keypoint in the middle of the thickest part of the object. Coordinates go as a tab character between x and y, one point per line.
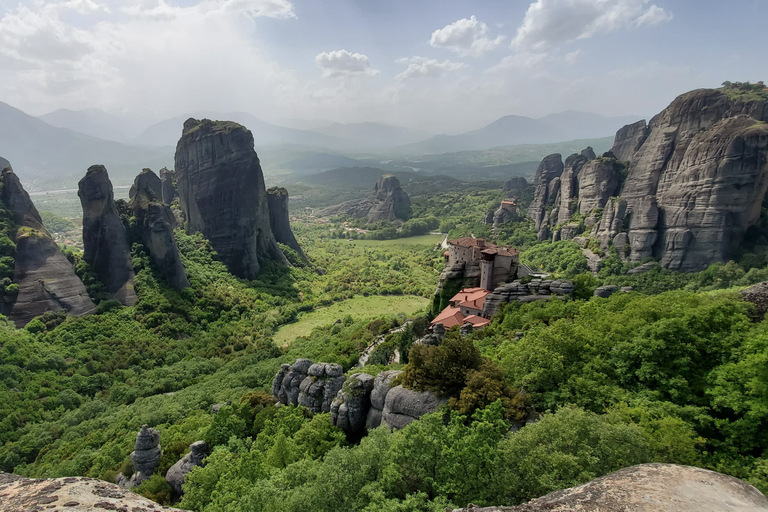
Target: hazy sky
445	65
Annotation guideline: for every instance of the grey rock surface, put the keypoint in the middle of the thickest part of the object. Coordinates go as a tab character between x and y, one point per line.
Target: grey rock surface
320	386
223	196
46	278
349	410
105	240
155	223
389	202
649	488
605	291
279	220
145	456
402	406
514	186
537	289
168	186
381	386
178	472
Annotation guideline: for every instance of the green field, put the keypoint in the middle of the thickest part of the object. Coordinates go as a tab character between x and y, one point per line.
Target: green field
428	240
359	307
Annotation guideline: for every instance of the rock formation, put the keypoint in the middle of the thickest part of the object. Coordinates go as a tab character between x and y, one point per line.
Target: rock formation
168	185
155	224
312	385
5	163
515	186
145	457
105	240
279	220
46	278
649	488
682	189
70	494
389	202
222	194
402	406
349	410
381	386
605	291
537	289
757	295
178	472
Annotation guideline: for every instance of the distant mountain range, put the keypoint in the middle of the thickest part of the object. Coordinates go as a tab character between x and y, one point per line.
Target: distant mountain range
516	130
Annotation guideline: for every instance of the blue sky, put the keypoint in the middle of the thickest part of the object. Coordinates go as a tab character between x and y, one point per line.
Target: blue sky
441	65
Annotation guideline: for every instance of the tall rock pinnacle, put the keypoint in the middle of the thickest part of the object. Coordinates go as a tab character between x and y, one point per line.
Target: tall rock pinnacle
105	240
279	220
222	194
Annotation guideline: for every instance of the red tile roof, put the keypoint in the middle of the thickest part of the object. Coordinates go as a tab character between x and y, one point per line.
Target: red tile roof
477	321
449	317
470	298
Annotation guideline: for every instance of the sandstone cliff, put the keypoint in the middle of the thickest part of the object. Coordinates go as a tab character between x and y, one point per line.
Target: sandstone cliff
155	224
105	240
168	181
279	219
46	279
683	189
222	194
389	202
649	488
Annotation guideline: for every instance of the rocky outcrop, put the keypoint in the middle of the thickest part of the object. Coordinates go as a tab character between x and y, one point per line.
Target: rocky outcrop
168	186
682	189
155	224
279	220
178	472
222	194
105	240
649	488
349	410
514	186
402	406
605	291
381	387
389	202
537	289
313	386
46	278
145	457
506	212
70	494
757	295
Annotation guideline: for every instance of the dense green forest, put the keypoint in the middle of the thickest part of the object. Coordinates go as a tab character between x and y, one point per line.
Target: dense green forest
549	395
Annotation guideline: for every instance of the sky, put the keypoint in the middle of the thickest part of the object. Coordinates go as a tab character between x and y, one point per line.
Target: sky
441	65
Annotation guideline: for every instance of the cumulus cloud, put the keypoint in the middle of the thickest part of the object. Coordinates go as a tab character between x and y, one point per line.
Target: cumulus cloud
341	63
422	67
549	23
467	37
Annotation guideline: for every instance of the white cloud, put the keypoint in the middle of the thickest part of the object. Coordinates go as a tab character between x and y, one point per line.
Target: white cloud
465	37
549	23
421	67
573	56
341	63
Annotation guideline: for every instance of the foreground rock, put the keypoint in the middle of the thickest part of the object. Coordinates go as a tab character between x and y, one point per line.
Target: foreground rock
71	494
402	406
46	278
682	189
145	457
389	202
105	240
178	472
349	409
312	385
649	488
222	194
279	220
155	224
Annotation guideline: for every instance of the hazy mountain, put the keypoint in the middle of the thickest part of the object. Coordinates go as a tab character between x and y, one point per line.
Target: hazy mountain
168	132
517	130
97	123
373	135
47	157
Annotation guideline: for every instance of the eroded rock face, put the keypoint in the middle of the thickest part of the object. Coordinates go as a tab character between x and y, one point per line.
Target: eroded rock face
389	202
514	186
649	488
537	289
349	409
105	240
682	189
403	405
547	184
168	185
178	472
381	386
313	386
46	279
222	194
76	494
279	219
155	223
145	457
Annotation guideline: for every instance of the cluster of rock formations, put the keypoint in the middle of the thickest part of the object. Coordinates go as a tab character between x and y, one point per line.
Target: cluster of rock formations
682	189
359	403
649	488
389	202
178	472
536	289
222	194
45	277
